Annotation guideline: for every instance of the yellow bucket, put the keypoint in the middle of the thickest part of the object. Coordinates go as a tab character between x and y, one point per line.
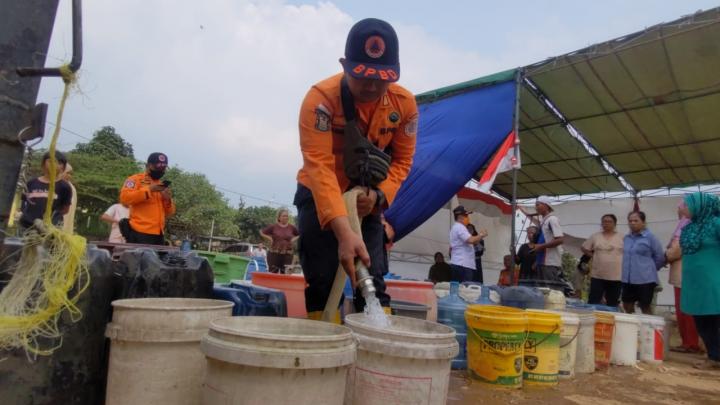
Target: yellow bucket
495	340
541	357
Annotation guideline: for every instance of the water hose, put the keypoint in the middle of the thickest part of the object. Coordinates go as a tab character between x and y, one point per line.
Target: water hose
362	275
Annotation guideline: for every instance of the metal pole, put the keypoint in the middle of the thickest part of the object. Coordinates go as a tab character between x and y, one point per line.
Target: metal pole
25	32
212	230
516	152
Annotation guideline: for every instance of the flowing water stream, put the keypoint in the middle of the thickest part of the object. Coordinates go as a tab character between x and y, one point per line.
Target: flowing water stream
374	312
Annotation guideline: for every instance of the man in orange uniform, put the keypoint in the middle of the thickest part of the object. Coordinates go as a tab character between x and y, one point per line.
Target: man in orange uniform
150	202
357	128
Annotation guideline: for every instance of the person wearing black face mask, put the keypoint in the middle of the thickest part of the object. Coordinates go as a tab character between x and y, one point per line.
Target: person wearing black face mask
150	201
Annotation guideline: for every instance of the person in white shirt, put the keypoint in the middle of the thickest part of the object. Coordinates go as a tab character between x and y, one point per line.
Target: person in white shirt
112	216
260	251
549	249
462	259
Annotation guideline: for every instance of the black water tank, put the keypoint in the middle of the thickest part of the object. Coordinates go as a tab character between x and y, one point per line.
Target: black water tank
146	272
75	372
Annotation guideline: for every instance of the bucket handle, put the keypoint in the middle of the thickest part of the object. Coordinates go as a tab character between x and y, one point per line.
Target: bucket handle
496	351
547	336
577	332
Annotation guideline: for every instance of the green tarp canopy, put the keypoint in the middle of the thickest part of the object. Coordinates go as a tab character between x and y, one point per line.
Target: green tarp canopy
648	105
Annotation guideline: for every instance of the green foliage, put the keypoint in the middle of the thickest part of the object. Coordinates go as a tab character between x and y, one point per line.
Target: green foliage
198	203
98	179
100	168
580	282
106	143
250	220
569	265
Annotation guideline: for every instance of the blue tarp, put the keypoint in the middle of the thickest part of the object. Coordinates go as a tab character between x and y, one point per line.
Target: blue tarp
456	137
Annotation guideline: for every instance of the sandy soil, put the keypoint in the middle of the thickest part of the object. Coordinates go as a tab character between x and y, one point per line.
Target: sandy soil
674	382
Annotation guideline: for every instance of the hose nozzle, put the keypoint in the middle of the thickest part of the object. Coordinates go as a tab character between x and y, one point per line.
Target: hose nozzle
364	280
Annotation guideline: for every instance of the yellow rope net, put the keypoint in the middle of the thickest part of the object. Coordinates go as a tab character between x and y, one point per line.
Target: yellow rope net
50	275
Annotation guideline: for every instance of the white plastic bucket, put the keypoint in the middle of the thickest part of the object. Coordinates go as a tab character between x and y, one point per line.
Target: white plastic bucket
585	341
666	335
407	363
155	355
264	360
568	344
625	340
651	344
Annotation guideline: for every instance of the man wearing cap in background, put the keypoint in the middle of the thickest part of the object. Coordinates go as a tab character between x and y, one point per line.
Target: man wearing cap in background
357	128
150	202
34	199
548	246
462	250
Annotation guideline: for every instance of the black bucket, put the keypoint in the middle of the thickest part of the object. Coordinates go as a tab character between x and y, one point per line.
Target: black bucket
146	273
75	372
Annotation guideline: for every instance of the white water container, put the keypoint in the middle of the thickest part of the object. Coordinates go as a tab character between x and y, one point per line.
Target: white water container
652	339
625	340
568	344
405	364
264	360
155	355
585	341
555	300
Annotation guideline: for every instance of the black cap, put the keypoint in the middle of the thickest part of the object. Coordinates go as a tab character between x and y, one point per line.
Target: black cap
157	158
59	156
372	51
460	210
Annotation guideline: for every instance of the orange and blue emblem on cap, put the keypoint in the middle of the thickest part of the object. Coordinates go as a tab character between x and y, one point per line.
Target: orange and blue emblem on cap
371	51
158	158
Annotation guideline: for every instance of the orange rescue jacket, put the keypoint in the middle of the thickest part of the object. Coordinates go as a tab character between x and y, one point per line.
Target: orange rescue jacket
391	121
148	210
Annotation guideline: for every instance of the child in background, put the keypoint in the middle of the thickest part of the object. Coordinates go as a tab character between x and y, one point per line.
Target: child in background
509	275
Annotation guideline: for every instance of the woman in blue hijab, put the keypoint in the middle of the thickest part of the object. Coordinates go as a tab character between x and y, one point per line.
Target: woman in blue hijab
700	293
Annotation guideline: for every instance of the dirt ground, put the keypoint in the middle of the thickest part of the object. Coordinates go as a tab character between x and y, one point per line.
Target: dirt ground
674	382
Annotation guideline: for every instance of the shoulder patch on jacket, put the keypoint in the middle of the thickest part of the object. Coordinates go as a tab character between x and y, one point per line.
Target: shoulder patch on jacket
412	126
322	118
130	183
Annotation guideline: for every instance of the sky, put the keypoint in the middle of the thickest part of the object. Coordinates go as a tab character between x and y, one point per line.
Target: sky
217	84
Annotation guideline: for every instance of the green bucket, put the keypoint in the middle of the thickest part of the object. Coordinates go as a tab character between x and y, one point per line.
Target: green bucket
226	267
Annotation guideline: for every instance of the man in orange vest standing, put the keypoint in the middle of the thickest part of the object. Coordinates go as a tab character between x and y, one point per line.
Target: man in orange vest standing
150	201
357	128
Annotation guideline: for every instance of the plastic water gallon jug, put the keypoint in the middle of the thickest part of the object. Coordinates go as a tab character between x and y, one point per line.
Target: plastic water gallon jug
252	300
451	312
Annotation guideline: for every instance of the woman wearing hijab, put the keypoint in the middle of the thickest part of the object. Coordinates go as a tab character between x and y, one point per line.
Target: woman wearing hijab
700	293
685	322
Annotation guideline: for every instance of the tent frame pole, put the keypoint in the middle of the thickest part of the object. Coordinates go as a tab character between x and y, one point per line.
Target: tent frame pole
519	75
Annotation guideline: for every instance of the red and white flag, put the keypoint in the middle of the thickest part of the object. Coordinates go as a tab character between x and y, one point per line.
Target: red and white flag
503	161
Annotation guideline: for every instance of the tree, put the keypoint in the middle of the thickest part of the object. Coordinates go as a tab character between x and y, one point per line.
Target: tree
250	220
106	143
198	203
98	179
